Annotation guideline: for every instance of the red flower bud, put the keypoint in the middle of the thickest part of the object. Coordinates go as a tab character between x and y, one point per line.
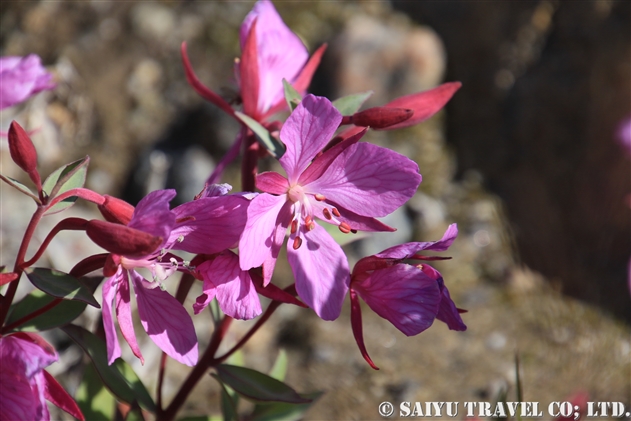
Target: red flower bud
122	240
23	152
381	117
116	210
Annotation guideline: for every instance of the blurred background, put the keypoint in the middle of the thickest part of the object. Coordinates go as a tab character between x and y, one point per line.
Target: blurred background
526	158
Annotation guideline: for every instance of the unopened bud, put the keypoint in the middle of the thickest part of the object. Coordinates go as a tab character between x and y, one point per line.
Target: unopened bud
122	240
381	117
116	210
23	152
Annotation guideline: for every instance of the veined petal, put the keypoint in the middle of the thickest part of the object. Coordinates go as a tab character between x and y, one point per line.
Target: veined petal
166	322
123	315
236	294
216	224
407	250
403	295
306	132
321	272
272	182
109	293
258	235
281	54
368	180
424	104
18	400
153	215
448	312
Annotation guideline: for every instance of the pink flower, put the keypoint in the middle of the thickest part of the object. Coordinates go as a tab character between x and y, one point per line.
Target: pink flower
21	77
348	185
410	297
25	385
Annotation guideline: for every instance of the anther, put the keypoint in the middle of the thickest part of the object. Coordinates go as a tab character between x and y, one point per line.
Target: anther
294	226
297	243
344	227
336	212
308	220
326	213
354	231
319	197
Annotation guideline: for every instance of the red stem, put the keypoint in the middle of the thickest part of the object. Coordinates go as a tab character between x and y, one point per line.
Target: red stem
85	194
75	224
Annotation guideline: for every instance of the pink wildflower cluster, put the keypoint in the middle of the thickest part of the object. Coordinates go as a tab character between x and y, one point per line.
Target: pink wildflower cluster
331	178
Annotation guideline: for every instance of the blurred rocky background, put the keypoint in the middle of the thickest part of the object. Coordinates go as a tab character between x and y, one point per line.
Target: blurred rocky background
524	158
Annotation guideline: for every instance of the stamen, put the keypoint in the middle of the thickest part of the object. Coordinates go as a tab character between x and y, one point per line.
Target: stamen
319	197
326	213
173	261
297	243
336	212
180	239
354	231
308	220
344	227
294	226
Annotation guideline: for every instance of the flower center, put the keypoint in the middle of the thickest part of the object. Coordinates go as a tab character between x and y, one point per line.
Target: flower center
296	193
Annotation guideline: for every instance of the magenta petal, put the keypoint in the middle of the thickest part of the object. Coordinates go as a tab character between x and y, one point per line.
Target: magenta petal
210	224
368	180
321	272
272	182
448	312
403	295
21	77
236	294
278	236
358	330
407	250
111	338
17	401
153	214
209	289
357	222
306	132
281	54
258	236
425	104
123	315
166	322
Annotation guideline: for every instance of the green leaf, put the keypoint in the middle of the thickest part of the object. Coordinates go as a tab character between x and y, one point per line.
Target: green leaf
66	178
279	370
118	378
95	401
257	386
60	285
19	186
280	411
349	105
292	96
229	402
61	314
273	145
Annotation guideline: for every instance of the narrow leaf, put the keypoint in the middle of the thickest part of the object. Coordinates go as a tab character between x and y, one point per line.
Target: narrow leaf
61	314
95	401
113	376
19	186
257	386
274	146
281	411
292	96
60	285
68	177
350	104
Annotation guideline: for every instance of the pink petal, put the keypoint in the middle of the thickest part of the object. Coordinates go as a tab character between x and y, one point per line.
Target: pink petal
109	293
21	77
358	330
281	54
407	250
306	132
209	289
123	315
321	271
258	240
17	400
272	182
403	295
447	312
56	394
153	214
357	222
216	224
425	104
166	322
236	294
368	180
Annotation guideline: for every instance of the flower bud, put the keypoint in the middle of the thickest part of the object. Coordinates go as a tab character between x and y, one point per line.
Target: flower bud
116	210
122	240
23	152
381	117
